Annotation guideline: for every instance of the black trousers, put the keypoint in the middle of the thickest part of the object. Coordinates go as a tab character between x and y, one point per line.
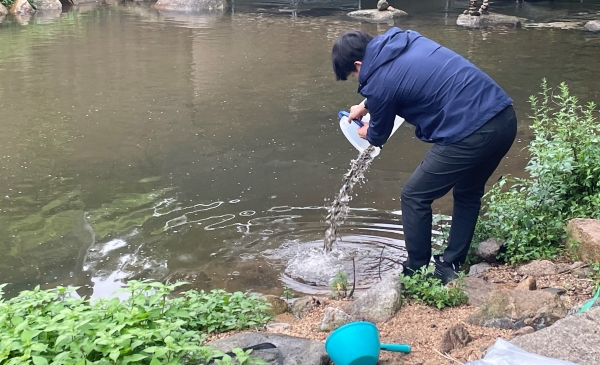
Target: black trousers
464	166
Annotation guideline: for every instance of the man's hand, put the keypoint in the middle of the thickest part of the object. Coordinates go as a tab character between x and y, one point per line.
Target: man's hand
362	131
357	112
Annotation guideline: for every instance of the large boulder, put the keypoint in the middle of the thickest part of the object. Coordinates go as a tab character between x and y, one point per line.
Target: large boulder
538	268
3	10
191	5
484	21
380	302
377	15
584	238
295	350
21	7
48	5
478	290
575	338
593	25
514	309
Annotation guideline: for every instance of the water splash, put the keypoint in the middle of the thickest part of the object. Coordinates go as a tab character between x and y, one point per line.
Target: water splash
339	209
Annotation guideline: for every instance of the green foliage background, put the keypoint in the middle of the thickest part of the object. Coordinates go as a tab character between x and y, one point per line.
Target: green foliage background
531	214
55	327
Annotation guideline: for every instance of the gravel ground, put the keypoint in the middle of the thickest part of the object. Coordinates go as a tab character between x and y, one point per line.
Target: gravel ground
422	327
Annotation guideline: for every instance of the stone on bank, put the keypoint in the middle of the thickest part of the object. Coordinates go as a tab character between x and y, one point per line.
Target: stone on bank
48	5
294	350
515	309
3	10
21	7
584	238
575	338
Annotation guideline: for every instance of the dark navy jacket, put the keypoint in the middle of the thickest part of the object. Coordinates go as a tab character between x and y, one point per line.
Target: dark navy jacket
443	94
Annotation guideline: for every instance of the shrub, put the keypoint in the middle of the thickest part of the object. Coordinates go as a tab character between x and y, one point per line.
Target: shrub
424	288
530	214
53	326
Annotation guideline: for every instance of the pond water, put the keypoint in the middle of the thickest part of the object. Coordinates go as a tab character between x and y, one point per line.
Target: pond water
142	144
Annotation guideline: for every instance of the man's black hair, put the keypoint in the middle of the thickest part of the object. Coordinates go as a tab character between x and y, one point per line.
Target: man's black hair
348	48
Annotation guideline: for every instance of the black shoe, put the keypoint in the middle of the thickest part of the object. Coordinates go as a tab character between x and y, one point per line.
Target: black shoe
444	271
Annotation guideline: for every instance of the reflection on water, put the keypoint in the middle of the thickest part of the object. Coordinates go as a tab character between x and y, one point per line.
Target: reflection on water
146	144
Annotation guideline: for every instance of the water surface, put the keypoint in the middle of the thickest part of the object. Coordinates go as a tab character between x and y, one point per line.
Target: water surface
206	147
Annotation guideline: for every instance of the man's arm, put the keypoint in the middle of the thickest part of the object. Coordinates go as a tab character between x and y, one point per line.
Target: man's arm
383	114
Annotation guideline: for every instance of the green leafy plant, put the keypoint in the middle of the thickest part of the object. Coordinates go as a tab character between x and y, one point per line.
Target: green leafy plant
422	287
595	274
149	327
339	285
287	294
530	214
441	235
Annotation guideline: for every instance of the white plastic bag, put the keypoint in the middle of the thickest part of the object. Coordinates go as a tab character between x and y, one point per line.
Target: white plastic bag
505	353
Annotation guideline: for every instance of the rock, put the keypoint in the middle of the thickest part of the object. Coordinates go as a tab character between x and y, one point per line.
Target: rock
455	337
48	5
593	25
191	5
529	283
382	5
376	15
21	7
484	21
514	309
304	305
477	269
488	249
380	302
3	10
278	327
582	272
574	338
522	331
278	305
584	238
333	318
576	265
295	350
478	290
538	268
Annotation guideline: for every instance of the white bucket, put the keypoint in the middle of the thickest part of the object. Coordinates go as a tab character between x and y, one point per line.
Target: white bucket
350	130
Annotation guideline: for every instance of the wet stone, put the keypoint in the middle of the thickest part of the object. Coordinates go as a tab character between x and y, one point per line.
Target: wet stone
593	26
484	21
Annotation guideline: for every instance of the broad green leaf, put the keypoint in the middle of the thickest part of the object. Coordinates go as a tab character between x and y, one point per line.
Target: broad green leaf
39	360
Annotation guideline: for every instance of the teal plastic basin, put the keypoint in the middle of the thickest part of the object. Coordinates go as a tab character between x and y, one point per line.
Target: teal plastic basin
355	343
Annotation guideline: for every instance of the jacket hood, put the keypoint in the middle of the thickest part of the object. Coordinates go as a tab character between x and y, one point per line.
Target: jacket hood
383	49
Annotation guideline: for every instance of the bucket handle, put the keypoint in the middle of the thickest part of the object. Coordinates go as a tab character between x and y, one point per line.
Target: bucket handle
396	347
343	113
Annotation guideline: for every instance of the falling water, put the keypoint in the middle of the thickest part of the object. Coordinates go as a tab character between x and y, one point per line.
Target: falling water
339	208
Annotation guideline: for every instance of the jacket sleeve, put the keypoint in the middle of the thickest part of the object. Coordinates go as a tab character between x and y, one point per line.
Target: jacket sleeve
383	113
